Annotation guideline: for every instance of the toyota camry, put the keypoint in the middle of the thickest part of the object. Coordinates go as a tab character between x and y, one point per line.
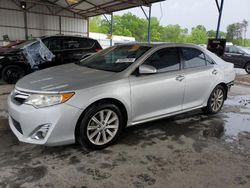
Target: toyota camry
91	102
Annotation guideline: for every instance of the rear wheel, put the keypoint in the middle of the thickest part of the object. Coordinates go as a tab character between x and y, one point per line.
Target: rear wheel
12	73
100	126
247	68
215	101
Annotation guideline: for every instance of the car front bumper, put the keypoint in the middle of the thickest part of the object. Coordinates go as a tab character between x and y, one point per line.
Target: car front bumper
24	120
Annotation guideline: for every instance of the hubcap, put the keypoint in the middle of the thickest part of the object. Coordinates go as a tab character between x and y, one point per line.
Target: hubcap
13	73
102	127
217	100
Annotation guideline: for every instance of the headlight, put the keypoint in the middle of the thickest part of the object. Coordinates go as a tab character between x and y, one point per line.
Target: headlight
1	57
44	100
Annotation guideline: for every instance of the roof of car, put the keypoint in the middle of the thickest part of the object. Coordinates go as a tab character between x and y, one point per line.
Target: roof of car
59	35
158	44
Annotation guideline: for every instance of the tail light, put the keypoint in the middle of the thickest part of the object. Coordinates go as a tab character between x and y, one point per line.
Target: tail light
98	49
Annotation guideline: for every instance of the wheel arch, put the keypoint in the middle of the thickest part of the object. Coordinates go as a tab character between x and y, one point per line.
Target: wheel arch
225	88
22	65
247	63
114	101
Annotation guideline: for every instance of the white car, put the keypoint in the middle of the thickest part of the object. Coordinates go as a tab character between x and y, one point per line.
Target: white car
90	102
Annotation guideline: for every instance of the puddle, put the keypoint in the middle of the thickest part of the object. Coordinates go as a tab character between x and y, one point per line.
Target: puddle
235	124
238	101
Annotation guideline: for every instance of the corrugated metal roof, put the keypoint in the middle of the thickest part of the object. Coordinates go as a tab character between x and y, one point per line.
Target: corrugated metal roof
89	8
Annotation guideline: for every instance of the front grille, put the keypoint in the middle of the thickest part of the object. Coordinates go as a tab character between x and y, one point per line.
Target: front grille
19	97
17	125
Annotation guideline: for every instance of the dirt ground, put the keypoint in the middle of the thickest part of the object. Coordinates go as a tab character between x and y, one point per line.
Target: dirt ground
243	78
189	150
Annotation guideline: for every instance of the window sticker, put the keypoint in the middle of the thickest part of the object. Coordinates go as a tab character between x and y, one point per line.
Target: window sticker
126	60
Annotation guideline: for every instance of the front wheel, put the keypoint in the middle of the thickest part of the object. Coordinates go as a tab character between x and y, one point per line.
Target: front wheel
100	126
215	101
247	68
12	73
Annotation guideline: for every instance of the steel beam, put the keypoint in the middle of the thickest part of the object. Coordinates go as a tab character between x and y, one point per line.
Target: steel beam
148	17
111	30
25	25
149	24
220	9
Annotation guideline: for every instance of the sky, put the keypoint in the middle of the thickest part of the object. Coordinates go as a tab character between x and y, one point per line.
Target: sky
190	13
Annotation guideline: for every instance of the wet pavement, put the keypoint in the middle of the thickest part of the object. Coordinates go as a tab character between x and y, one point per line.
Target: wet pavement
188	150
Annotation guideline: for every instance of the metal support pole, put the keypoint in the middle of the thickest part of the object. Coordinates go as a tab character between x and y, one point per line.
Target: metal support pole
220	9
88	25
25	25
111	30
149	24
60	25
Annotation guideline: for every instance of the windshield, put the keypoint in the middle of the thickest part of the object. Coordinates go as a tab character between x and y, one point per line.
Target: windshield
115	59
246	50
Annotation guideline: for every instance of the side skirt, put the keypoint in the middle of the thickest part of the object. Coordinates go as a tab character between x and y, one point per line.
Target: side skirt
163	116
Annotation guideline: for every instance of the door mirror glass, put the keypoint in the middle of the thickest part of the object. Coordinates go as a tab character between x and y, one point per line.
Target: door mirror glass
147	69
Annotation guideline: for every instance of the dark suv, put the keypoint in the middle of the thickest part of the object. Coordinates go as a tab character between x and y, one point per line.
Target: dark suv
239	56
15	63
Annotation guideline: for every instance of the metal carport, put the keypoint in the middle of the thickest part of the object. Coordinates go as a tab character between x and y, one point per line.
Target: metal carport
81	9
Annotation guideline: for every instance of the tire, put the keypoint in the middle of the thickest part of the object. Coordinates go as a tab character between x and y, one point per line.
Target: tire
12	73
215	101
91	132
247	67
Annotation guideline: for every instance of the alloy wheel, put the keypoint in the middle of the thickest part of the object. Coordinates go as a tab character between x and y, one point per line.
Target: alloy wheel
217	100
102	127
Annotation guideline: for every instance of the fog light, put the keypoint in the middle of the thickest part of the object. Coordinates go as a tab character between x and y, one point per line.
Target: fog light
41	132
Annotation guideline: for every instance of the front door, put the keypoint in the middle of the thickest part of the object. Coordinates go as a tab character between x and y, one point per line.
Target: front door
161	93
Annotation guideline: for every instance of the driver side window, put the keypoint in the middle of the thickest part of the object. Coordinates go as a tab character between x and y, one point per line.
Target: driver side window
234	50
165	60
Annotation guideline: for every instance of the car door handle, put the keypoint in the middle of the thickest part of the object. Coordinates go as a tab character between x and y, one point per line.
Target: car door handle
180	78
214	72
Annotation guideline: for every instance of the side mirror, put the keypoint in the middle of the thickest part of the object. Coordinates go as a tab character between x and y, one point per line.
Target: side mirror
86	55
147	69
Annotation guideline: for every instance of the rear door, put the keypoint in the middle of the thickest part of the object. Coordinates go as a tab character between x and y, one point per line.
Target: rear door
235	56
75	48
161	93
200	77
71	49
54	45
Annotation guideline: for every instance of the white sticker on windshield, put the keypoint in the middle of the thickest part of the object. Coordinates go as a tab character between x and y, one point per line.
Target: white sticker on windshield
126	60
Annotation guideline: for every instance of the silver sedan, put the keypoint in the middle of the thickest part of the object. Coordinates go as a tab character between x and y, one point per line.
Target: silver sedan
91	101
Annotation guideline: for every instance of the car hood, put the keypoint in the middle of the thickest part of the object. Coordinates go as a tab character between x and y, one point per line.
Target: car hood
68	77
9	51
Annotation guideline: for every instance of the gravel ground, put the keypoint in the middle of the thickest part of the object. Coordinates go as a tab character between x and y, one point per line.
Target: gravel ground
189	150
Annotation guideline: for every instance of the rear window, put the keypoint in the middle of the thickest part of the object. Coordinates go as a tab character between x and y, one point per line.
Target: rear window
193	58
76	43
86	43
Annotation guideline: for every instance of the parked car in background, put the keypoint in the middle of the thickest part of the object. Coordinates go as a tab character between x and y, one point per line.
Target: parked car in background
90	102
14	63
12	44
239	56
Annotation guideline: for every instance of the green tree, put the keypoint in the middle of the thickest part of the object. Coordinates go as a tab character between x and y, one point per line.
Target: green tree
99	25
131	25
198	35
173	33
212	34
